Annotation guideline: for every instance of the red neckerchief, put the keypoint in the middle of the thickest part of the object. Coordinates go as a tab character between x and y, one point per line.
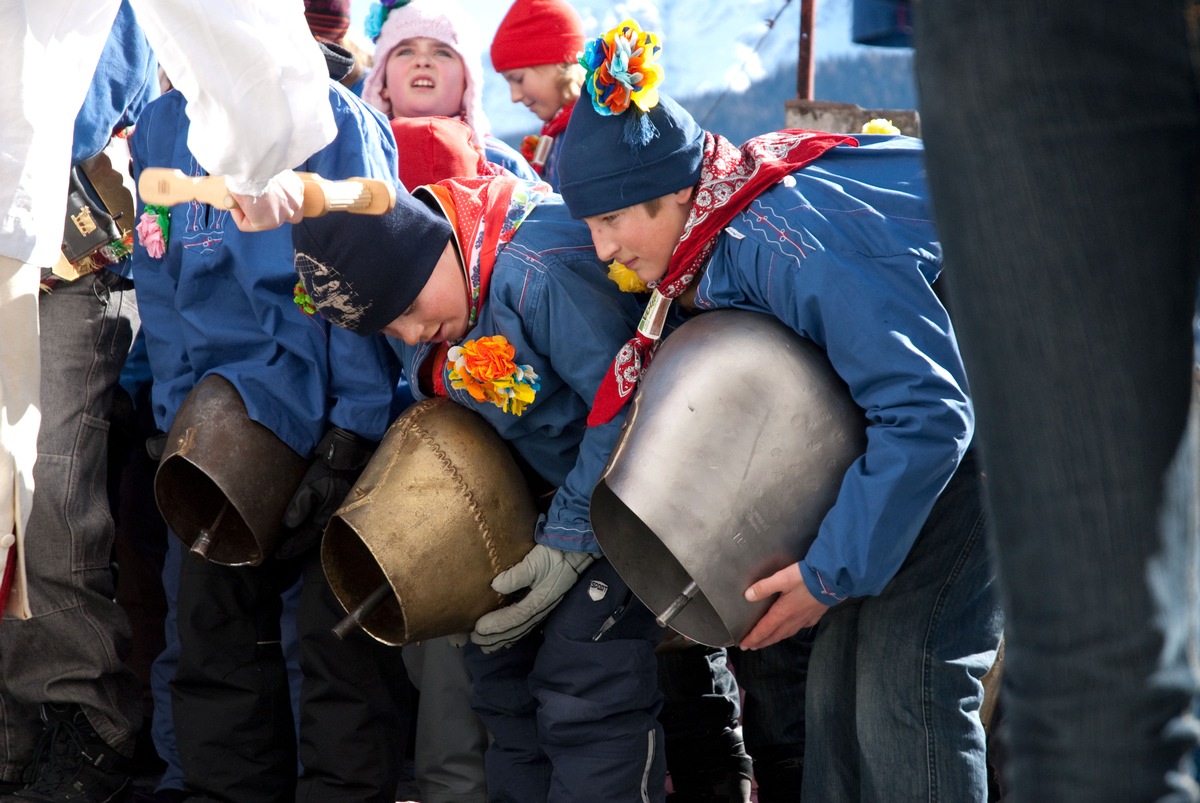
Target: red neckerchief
478	210
542	144
558	123
730	178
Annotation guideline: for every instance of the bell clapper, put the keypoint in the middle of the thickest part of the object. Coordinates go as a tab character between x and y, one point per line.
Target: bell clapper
204	540
362	611
675	607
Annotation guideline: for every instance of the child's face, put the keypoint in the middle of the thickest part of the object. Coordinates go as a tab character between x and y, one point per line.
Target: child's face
441	311
424	78
540	88
642	241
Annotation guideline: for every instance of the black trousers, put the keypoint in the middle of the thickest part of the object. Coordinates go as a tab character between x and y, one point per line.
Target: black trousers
233	716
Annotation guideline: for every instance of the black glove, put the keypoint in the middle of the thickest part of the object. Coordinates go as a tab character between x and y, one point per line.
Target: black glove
156	446
340	458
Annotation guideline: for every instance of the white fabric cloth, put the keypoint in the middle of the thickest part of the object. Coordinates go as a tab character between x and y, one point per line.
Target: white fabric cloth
19	415
259	104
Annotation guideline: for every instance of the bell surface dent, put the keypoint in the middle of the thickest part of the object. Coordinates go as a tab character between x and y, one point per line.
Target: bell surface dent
733	451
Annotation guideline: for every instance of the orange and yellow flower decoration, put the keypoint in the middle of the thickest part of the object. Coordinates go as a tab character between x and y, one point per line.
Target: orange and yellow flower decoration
622	69
484	368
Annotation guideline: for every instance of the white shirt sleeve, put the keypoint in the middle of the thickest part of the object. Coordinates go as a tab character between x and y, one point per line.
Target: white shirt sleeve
255	79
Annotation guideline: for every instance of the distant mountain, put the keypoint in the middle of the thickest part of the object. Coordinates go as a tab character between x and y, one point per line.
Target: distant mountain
874	80
730	68
880	79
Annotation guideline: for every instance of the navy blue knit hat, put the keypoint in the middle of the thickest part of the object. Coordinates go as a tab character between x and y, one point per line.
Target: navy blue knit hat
598	171
363	271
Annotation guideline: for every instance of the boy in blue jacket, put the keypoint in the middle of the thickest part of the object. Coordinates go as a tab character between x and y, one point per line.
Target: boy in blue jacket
834	238
494	297
218	300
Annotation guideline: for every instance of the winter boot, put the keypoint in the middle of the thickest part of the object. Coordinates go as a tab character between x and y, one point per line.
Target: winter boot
73	764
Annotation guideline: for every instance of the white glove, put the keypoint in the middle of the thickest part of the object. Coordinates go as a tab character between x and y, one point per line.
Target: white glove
282	202
548	573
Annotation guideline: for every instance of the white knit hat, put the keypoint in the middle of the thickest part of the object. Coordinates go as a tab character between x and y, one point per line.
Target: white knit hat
445	21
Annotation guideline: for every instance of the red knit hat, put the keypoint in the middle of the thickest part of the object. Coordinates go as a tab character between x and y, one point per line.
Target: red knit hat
537	32
434	148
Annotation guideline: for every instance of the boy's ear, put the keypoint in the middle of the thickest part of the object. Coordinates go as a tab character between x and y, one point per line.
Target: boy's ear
683	197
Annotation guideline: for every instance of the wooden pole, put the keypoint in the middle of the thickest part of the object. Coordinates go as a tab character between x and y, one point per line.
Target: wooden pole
804	66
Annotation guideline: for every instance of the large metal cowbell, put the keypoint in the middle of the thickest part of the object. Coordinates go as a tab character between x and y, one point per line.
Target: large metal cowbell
225	479
440	510
733	451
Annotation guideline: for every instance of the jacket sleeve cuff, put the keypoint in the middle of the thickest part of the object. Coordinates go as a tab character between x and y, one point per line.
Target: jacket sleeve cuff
567	536
824	591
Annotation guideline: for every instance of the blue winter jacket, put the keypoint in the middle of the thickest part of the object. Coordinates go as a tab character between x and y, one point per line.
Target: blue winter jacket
125	81
551	298
498	152
846	256
550	168
221	300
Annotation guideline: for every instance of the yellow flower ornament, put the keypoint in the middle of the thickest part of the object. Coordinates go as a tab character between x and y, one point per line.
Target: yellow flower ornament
879	126
625	279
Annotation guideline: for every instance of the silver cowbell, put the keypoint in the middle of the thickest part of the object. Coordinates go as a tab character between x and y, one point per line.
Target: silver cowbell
733	451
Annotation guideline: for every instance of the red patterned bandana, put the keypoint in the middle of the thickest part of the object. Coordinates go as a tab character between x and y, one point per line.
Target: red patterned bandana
485	213
730	178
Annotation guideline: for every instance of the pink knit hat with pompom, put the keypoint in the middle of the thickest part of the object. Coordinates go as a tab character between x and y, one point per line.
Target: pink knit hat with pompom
445	21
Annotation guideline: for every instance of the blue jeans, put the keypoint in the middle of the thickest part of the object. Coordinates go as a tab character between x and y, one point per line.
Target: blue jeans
893	688
572	718
1063	146
72	650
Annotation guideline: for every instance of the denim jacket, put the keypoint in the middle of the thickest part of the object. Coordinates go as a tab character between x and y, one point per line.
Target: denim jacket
844	251
551	298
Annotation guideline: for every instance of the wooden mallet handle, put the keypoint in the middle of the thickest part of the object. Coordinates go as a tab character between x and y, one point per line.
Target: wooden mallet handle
165	186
